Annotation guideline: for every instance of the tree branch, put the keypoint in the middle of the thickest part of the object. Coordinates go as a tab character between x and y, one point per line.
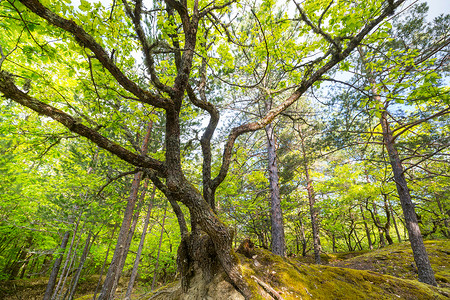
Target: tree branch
10	90
147	48
86	40
302	88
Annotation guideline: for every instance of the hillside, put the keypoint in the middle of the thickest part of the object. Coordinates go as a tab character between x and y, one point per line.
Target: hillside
277	278
397	260
380	274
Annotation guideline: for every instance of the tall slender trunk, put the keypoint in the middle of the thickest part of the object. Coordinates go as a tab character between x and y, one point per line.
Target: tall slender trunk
278	239
376	220
127	245
155	273
52	280
421	259
395	222
80	266
387	225
312	202
114	270
445	214
68	259
121	240
141	243
302	235
104	262
366	227
18	262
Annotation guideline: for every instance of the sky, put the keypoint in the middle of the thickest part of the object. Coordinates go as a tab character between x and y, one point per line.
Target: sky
438	7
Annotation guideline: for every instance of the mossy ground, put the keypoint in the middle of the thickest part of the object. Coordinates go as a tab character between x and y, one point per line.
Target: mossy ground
30	289
397	260
294	280
384	273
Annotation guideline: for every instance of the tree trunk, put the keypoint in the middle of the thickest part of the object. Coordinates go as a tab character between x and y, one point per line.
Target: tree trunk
278	240
421	259
217	246
111	279
107	289
127	245
104	262
377	222
423	264
395	222
366	227
15	267
312	203
68	263
155	274
387	226
141	243
302	235
56	266
445	215
80	266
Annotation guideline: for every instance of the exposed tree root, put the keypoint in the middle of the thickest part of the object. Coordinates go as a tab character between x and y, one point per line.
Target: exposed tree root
274	294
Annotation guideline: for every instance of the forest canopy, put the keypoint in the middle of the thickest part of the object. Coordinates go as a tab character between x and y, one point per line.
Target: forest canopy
152	137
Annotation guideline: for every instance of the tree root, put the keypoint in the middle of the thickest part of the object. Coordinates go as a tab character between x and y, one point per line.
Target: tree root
274	294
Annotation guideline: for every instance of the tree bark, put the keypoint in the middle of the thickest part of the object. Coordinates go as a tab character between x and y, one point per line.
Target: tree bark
141	243
118	252
155	273
302	235
366	227
56	266
104	262
387	226
127	245
395	222
80	266
67	269
278	239
312	202
421	259
122	246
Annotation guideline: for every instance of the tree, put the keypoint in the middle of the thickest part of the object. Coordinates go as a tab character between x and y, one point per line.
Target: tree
394	77
171	61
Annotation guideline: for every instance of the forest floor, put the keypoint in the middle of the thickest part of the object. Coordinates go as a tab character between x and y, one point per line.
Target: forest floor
386	273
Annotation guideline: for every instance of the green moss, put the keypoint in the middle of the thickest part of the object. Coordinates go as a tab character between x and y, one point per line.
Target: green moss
397	260
294	280
85	297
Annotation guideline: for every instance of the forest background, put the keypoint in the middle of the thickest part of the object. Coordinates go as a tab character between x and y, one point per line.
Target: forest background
322	166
